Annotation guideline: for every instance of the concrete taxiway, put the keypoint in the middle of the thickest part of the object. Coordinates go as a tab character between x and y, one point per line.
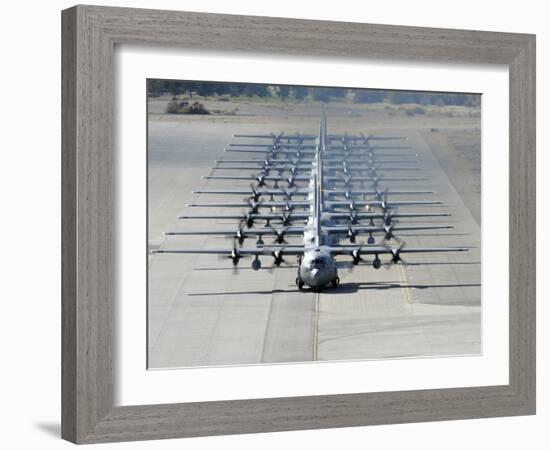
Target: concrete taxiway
201	313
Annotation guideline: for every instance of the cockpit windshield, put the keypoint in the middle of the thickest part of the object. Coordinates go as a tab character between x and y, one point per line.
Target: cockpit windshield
318	263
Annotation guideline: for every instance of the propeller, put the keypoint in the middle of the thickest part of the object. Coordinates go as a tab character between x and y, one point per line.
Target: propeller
288	193
388	230
384	200
371	170
260	178
353	217
352	234
255	194
357	258
254	205
396	254
280	236
240	236
278	257
234	256
285	218
388	216
247	220
356	255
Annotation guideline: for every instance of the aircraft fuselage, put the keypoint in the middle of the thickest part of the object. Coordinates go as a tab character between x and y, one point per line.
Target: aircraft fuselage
318	268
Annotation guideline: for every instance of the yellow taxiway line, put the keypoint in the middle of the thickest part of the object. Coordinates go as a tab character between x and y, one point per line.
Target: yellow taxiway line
405	285
316	327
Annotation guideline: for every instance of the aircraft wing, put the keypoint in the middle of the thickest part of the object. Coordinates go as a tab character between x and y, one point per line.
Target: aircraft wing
273	151
380	202
360	192
407	157
266	204
307	167
260	136
368	168
237	252
278	145
278	136
251	192
382	215
353	250
361	178
373	228
384	138
242	232
289	216
252	177
362	137
270	167
267	162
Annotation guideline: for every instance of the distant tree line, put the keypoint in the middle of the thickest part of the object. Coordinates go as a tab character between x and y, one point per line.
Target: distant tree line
157	87
420	97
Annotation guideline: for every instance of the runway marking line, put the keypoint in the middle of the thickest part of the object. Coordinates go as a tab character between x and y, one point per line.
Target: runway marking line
405	285
316	327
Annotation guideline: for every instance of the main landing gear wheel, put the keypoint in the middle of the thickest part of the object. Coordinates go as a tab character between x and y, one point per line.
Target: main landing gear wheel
299	283
334	283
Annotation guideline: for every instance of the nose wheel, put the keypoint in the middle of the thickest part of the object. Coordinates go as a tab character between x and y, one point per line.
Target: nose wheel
299	283
334	283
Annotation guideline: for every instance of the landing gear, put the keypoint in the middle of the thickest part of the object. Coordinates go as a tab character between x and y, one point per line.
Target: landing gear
334	283
370	240
299	283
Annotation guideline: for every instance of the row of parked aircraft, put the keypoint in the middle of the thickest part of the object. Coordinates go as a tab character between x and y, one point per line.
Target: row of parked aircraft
324	188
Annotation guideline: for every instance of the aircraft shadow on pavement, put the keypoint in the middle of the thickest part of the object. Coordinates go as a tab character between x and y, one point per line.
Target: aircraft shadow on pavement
351	287
344	288
291	289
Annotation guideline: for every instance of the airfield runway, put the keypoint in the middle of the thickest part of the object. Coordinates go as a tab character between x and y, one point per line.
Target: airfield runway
200	313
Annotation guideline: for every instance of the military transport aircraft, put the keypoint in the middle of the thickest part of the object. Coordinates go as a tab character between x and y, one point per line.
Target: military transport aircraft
319	174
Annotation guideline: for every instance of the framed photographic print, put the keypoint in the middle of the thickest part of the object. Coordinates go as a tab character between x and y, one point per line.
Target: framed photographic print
263	229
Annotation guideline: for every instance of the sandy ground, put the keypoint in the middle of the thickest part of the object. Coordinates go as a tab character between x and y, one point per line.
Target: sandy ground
201	314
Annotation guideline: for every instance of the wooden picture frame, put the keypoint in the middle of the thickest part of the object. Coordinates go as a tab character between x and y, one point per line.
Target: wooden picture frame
90	34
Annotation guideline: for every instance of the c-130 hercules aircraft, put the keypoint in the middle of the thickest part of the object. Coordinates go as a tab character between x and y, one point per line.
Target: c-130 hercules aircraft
326	166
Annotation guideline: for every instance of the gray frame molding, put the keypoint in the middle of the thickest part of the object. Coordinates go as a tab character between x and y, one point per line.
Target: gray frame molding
89	36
